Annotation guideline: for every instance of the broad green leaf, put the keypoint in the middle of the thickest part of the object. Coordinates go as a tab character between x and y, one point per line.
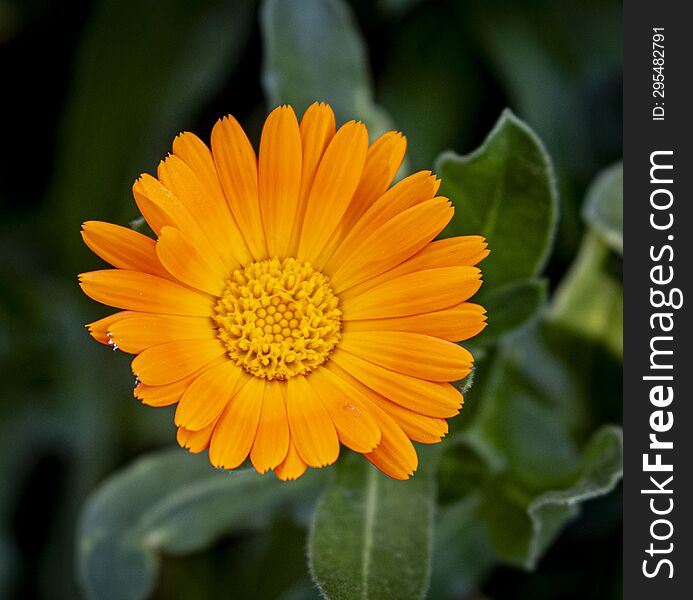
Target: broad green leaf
371	535
504	191
522	526
603	209
569	92
589	300
170	502
315	52
510	307
498	520
142	73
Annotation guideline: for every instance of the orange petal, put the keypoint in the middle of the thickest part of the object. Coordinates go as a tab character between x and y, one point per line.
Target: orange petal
122	247
235	432
292	467
394	455
167	363
141	331
195	441
384	158
355	426
450	252
236	164
223	229
409	192
414	293
317	129
186	264
413	354
422	429
132	290
393	242
335	183
208	395
312	429
272	438
425	397
165	395
280	178
454	324
99	329
161	207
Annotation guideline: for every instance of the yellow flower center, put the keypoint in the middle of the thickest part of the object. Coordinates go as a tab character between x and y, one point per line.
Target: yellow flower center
278	318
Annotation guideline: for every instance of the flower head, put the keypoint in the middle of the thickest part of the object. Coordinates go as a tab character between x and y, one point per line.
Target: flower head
295	300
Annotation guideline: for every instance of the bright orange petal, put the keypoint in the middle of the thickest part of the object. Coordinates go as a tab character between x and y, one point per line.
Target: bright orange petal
186	264
167	363
393	242
161	207
355	426
236	164
317	129
280	178
208	395
414	293
140	331
384	158
132	290
166	395
223	230
450	252
195	441
235	432
409	192
394	455
272	439
425	397
413	354
335	183
312	429
454	324
122	247
99	329
292	467
422	429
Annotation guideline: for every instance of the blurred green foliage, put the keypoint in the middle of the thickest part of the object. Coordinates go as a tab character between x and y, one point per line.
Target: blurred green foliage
498	509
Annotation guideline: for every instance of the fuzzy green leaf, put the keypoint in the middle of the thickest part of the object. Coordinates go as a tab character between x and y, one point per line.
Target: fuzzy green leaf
603	209
506	182
170	502
371	535
315	52
521	527
510	307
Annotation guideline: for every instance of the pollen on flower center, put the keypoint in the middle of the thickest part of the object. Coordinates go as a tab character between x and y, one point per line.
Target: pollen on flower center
278	318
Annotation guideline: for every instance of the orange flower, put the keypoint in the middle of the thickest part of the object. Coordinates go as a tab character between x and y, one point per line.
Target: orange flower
293	301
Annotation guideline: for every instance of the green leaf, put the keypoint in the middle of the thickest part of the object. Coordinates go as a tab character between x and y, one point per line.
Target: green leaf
521	528
142	73
314	51
510	307
600	471
170	502
589	300
603	209
504	191
371	535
